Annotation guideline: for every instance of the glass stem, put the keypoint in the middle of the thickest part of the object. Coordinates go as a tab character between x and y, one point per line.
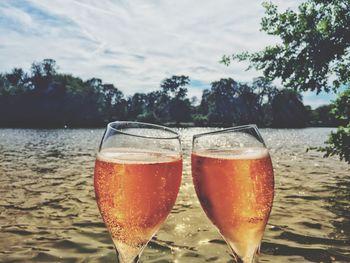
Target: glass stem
247	259
122	259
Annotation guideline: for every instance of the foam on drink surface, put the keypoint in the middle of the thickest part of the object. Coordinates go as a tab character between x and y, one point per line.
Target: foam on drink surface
136	156
234	154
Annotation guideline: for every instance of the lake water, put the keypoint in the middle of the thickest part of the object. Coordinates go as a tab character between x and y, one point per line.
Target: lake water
48	212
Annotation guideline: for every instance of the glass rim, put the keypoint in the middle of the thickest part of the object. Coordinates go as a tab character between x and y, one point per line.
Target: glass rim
176	135
230	129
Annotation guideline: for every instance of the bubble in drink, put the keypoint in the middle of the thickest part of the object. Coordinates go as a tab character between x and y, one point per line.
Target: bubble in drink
235	189
135	192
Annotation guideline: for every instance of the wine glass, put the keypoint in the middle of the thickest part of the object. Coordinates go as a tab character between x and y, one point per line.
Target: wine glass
137	178
233	178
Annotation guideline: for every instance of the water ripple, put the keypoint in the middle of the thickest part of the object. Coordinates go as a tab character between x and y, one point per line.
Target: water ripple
48	212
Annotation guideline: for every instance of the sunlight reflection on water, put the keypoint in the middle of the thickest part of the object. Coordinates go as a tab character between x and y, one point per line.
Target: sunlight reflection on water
48	211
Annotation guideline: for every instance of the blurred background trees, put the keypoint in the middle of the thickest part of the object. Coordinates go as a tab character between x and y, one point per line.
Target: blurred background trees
45	98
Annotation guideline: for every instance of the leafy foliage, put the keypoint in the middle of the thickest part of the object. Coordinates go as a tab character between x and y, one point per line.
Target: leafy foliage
313	55
315	44
338	142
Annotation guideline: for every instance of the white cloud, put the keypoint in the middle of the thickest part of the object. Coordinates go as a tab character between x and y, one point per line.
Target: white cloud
135	44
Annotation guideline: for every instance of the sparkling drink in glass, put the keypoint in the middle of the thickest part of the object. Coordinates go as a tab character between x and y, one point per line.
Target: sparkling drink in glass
233	178
137	178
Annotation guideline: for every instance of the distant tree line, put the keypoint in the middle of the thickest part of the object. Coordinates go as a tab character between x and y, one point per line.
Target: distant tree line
45	98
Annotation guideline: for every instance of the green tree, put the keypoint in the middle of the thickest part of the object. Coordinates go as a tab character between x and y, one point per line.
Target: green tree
338	142
81	102
17	78
157	107
266	91
203	107
250	107
314	53
113	102
175	96
288	110
136	105
322	116
175	86
222	106
42	73
200	113
46	98
229	101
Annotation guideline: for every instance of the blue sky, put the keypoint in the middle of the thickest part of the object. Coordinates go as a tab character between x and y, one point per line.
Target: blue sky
136	44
